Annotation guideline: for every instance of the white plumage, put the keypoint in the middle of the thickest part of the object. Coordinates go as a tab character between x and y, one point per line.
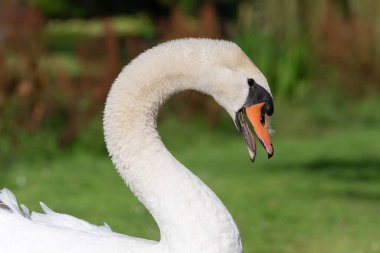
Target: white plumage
190	216
49	217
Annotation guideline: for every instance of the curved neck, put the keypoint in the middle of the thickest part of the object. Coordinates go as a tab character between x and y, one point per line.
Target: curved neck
188	213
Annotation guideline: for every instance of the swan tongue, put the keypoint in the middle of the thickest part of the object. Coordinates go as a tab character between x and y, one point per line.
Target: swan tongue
246	133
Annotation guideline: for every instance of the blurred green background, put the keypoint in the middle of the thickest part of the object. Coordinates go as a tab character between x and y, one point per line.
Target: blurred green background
319	193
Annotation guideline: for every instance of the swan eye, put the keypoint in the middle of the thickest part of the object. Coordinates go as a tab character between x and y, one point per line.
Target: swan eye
251	82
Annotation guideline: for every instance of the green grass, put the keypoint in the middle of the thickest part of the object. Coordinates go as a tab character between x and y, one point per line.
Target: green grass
319	193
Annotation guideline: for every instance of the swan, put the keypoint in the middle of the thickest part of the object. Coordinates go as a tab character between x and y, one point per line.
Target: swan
189	215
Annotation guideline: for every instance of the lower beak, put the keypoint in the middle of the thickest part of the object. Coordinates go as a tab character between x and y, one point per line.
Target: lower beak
246	133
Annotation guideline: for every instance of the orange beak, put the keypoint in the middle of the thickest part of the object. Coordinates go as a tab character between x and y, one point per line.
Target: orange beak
259	123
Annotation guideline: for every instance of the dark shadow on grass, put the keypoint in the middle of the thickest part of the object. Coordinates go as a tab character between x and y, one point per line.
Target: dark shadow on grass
339	164
365	169
361	194
352	171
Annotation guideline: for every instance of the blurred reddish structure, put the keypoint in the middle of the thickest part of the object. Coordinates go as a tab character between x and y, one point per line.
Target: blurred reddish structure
22	78
38	89
35	88
348	43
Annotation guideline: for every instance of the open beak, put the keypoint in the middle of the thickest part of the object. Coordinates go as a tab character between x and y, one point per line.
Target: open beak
260	125
246	133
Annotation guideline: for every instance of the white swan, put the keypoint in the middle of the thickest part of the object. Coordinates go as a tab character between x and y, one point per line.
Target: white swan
189	215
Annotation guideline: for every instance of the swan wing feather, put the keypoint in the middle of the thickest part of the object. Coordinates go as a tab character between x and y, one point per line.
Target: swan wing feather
9	203
49	217
55	232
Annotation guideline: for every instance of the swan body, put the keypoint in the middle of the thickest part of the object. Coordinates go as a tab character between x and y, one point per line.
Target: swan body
189	215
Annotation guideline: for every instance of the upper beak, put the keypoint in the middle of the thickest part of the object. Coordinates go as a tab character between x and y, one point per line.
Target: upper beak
261	129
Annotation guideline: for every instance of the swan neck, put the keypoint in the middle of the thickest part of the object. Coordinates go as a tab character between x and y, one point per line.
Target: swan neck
187	212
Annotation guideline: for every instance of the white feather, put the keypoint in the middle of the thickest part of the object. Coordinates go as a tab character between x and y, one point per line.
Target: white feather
49	217
9	200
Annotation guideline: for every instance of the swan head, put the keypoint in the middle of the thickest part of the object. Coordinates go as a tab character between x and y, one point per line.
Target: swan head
246	96
257	107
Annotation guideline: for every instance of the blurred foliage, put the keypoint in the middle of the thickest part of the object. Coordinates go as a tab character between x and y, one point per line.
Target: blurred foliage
285	65
59	78
91	8
155	9
58	7
137	25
